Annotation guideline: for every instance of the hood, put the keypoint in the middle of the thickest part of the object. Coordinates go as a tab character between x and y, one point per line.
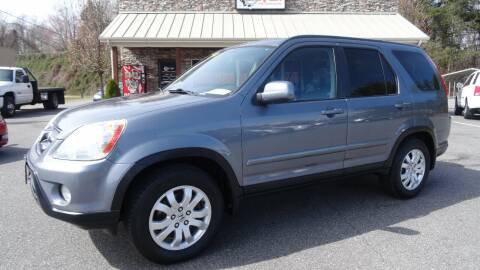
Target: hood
3	83
121	108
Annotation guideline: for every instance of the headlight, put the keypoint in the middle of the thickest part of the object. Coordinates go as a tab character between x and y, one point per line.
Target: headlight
91	142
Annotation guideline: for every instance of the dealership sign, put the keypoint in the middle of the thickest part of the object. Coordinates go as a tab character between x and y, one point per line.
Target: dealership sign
260	4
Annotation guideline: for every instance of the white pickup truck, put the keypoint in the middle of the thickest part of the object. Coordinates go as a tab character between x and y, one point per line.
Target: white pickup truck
19	87
467	99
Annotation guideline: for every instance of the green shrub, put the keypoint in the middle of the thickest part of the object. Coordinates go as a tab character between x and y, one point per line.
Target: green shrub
111	90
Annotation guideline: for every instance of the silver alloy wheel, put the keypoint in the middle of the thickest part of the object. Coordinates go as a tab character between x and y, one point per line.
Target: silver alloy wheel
412	170
180	217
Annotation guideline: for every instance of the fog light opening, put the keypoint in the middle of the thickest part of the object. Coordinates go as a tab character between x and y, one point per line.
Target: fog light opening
66	195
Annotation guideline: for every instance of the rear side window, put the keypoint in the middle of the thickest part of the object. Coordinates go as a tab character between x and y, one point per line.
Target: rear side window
419	69
369	73
475	81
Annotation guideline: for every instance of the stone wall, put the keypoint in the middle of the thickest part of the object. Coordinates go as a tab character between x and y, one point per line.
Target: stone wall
151	57
290	5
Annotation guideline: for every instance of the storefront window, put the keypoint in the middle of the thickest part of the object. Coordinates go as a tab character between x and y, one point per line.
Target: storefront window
224	72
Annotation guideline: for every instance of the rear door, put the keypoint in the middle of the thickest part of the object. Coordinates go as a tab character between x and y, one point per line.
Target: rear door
376	109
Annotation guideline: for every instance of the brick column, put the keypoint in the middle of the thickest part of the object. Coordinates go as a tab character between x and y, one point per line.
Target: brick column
114	63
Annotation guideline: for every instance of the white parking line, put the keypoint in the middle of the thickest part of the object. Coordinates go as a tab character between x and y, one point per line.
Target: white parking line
466	124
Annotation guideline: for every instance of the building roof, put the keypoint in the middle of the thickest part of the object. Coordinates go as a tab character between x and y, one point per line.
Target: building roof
214	29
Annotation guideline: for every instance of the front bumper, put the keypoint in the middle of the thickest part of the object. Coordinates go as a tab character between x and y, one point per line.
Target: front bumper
86	211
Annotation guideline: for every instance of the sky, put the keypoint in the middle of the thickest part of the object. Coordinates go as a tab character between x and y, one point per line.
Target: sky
38	9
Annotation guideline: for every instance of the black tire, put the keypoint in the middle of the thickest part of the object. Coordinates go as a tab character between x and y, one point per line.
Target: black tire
52	102
18	107
467	114
458	110
141	201
8	109
393	181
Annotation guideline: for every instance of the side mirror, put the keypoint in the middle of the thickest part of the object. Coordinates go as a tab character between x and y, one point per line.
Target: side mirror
25	79
459	85
277	91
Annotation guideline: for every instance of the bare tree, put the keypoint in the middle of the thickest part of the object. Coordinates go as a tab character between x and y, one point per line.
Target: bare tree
64	24
87	52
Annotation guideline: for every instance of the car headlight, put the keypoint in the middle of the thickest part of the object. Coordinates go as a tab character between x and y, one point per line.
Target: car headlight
91	142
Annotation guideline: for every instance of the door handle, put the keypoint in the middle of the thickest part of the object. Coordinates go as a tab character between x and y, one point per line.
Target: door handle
331	112
402	105
28	86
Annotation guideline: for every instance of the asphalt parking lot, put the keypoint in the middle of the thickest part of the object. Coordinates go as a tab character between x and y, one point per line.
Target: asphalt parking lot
350	224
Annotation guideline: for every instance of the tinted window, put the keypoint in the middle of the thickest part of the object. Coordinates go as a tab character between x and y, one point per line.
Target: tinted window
312	72
419	69
365	73
390	81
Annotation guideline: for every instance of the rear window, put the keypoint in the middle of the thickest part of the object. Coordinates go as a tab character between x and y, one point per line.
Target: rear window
419	69
6	75
369	73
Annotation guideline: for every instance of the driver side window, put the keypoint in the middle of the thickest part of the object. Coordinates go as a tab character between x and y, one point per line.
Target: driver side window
18	76
311	70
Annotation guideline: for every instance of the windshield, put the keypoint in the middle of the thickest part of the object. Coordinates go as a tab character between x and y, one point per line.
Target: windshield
6	75
223	73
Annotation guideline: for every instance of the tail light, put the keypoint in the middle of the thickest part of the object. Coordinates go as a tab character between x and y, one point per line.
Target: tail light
444	85
442	80
477	91
3	127
3	132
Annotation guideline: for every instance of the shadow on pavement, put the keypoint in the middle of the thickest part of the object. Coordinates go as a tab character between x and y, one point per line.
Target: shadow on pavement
283	223
11	153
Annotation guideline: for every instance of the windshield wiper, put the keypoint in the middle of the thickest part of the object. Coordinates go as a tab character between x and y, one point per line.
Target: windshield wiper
181	91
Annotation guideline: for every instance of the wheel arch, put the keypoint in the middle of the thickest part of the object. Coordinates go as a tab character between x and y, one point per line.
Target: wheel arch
423	133
209	160
10	93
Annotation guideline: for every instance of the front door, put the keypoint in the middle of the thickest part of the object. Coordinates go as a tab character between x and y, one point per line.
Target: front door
303	136
23	91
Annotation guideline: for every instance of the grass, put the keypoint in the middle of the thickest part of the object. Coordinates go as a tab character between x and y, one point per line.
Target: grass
56	70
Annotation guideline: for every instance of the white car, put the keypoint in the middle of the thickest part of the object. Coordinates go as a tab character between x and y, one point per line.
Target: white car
467	99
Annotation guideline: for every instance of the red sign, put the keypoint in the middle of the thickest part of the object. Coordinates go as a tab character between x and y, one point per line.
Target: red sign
133	80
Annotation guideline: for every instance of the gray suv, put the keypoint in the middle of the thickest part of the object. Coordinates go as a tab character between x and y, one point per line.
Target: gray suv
251	118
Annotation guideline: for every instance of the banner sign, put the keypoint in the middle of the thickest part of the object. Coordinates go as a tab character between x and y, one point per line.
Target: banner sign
133	80
260	4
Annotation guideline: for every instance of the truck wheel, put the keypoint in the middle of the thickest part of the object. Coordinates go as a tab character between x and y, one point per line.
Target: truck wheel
467	114
458	110
410	169
52	102
8	109
175	214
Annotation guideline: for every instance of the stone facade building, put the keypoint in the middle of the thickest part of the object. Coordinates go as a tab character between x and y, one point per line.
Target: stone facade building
167	37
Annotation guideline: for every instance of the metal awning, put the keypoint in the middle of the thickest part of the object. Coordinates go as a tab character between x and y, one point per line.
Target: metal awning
214	29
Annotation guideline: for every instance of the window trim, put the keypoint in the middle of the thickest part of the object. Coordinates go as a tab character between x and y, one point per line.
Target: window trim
380	54
336	66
